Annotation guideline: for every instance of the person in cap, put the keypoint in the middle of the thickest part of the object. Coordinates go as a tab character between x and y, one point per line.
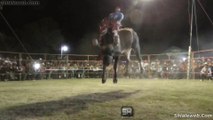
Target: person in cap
205	72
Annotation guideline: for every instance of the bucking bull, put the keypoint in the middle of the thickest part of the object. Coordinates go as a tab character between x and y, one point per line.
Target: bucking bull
128	40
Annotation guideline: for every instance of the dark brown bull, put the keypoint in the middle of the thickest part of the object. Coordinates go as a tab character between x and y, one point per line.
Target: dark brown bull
128	40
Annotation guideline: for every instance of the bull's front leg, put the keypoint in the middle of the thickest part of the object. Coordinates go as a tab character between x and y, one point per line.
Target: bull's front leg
115	80
104	74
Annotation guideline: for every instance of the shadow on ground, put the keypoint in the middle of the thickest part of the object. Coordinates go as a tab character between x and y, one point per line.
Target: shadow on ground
70	105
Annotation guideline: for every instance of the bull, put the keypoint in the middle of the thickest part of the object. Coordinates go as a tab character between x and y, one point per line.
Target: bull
126	41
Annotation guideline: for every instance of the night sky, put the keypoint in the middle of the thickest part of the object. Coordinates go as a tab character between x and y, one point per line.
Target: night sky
160	24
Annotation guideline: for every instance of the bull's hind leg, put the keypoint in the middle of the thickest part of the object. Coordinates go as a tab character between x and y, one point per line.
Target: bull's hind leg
115	80
136	47
127	62
137	52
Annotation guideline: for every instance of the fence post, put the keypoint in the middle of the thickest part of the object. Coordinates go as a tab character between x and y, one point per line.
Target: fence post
193	66
149	62
67	59
20	64
189	63
88	66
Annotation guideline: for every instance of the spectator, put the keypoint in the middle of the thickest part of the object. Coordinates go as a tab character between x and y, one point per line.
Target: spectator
205	72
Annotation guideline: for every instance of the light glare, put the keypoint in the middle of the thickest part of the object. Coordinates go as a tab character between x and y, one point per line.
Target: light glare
184	58
36	66
64	48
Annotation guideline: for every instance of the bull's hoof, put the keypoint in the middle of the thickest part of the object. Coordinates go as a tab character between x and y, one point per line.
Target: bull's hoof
103	81
115	81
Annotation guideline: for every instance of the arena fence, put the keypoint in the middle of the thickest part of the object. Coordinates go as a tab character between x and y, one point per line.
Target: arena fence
22	66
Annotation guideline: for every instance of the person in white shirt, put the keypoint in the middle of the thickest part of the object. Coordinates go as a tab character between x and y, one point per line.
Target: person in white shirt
206	72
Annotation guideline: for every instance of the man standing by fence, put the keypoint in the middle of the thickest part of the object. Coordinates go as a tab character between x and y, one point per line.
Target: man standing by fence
206	72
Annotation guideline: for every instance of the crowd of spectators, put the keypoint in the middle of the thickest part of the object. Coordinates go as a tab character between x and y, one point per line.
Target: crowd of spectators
27	69
13	69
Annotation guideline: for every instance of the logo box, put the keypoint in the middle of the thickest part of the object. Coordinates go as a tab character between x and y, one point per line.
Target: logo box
127	111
